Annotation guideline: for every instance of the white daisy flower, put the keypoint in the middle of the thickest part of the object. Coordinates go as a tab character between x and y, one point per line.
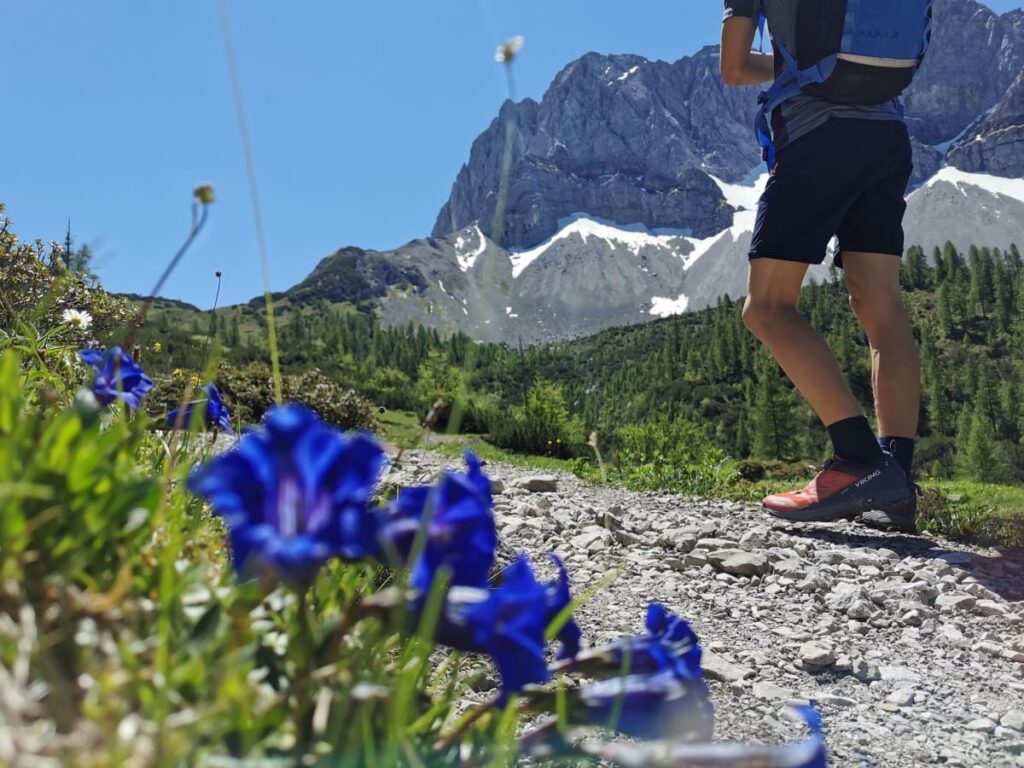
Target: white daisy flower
77	318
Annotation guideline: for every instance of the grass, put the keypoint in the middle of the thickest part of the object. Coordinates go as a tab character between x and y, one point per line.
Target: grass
404	430
968	509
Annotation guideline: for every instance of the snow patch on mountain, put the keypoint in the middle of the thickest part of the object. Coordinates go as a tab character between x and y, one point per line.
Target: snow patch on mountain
663	307
744	198
634	237
467	258
997	185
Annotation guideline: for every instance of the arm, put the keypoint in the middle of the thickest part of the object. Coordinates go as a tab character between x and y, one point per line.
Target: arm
739	64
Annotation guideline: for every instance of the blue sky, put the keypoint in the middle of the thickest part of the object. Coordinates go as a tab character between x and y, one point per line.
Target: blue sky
360	112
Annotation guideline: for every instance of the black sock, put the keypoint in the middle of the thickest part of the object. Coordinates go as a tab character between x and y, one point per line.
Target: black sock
853	440
902	449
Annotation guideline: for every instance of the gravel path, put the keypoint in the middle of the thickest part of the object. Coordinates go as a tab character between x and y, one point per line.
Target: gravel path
912	647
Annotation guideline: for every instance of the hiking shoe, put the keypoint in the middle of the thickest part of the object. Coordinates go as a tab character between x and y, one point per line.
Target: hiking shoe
895	517
844	490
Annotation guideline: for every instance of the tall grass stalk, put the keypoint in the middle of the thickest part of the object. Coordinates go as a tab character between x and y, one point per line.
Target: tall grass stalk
254	197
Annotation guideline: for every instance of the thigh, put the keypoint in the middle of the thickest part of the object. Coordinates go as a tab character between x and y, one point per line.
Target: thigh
806	198
874	221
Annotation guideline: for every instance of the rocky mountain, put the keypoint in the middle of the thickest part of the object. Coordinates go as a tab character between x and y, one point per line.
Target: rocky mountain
631	192
633	141
593	274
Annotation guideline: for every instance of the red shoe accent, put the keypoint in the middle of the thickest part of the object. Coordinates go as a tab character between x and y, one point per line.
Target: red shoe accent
826	483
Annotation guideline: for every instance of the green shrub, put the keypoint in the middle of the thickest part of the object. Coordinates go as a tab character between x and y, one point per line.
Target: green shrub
670	454
37	288
249	392
543	426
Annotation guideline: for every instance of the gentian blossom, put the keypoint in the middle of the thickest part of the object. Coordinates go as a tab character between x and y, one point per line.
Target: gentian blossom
669	645
117	376
656	706
460	532
215	413
294	493
401	521
507	623
558	598
809	753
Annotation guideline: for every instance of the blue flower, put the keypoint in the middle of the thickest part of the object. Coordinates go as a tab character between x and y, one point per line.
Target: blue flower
294	493
401	521
558	597
117	376
460	530
215	413
507	623
670	645
649	707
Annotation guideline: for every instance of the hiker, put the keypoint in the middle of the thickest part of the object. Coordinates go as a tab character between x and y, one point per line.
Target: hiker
839	155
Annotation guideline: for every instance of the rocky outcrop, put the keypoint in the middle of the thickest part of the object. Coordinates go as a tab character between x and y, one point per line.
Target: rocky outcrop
617	137
633	141
974	58
996	144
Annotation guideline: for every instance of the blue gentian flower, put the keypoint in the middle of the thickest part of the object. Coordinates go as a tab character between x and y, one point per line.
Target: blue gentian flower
460	532
558	598
294	493
401	521
809	753
215	413
656	706
669	645
507	623
117	376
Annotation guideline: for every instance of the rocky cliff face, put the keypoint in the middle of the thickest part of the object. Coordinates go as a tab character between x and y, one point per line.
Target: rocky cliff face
996	144
975	57
618	137
627	139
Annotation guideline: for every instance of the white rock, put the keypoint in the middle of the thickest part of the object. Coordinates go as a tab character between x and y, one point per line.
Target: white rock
539	483
771	692
813	654
982	725
718	668
737	562
902	697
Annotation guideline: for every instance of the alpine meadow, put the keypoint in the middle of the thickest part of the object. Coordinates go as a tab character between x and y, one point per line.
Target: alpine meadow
519	490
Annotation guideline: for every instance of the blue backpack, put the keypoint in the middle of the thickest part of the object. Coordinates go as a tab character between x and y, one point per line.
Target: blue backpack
849	52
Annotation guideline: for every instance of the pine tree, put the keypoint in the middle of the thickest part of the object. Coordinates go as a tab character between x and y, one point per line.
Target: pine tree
772	415
945	311
940	265
953	262
914	269
981	458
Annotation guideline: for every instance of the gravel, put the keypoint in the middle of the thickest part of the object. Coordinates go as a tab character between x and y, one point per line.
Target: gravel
912	647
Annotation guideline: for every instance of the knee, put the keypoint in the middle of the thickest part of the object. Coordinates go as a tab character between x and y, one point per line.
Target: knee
761	316
877	311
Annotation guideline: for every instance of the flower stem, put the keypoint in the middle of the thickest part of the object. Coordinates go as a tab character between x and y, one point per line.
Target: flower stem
250	167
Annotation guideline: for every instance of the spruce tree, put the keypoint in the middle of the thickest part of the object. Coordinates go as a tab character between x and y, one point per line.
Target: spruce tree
772	414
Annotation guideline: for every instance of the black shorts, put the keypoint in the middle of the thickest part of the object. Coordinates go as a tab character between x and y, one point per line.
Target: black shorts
846	178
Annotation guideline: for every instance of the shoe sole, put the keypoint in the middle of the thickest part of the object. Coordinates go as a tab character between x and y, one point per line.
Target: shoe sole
898	517
836	509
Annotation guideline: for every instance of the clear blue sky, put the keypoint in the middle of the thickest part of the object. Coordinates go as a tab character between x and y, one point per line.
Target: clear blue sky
361	113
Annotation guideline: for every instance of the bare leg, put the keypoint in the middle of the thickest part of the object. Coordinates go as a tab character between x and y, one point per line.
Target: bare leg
771	315
873	280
